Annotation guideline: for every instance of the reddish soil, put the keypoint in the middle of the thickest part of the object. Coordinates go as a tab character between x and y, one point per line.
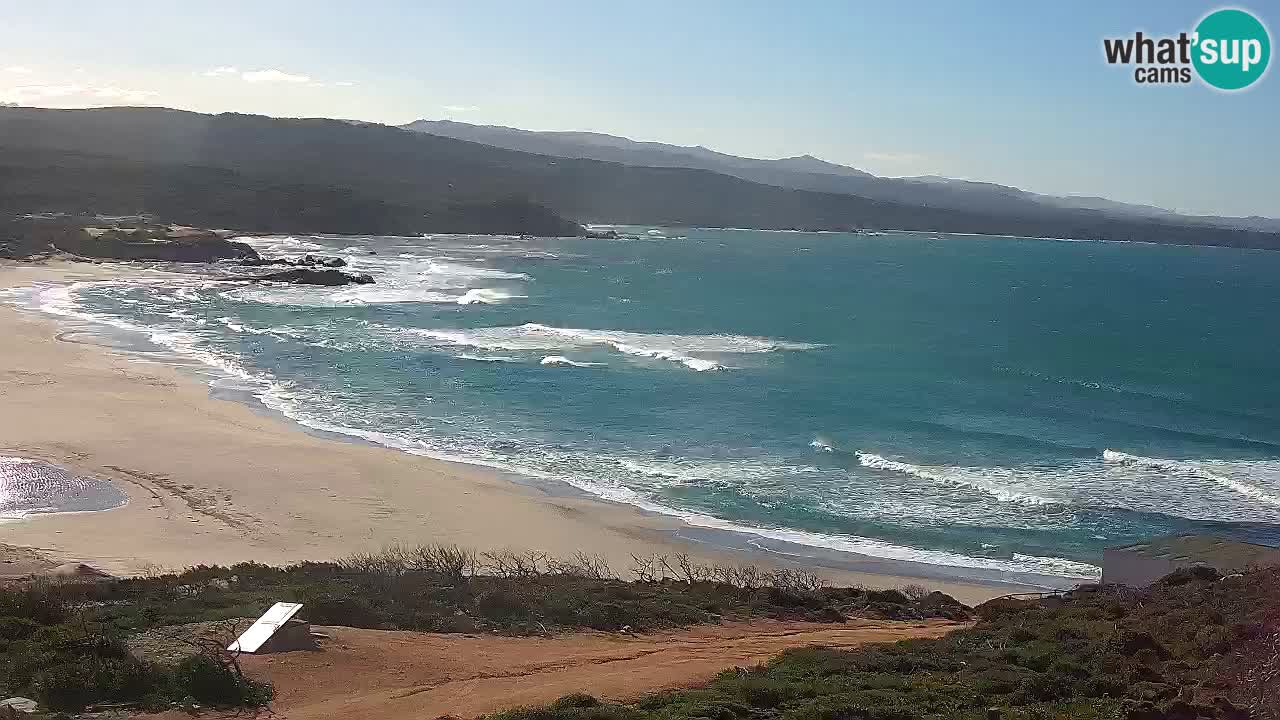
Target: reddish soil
381	675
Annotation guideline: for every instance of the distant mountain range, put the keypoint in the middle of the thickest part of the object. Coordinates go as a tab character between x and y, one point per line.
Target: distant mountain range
255	173
806	172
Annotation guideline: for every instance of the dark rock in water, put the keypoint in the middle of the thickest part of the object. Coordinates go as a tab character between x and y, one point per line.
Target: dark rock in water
308	276
304	261
263	262
313	261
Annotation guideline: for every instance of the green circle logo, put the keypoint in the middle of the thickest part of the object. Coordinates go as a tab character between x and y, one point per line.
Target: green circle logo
1232	49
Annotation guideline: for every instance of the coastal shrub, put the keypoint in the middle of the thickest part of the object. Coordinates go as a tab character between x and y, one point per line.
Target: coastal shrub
219	683
65	643
576	700
502	603
343	608
450	561
67	666
1180	649
16	628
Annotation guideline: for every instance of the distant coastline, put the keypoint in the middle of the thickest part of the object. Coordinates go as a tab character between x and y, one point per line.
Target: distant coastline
318	175
897	231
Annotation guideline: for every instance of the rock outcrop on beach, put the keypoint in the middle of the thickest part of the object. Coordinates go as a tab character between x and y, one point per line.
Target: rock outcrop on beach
141	241
309	276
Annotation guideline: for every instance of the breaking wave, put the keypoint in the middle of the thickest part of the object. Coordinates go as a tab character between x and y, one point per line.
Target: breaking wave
822	444
685	350
488	358
980	479
408	277
1212	470
562	361
300	406
485	296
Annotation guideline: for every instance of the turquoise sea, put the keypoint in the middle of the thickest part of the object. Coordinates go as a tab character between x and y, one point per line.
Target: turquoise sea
986	404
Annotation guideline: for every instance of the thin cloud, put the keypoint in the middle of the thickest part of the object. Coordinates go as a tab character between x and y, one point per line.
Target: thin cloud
460	108
41	92
893	157
115	93
19	70
26	94
270	75
273	76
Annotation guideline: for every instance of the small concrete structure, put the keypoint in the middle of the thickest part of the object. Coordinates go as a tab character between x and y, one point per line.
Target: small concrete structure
294	635
276	631
1143	563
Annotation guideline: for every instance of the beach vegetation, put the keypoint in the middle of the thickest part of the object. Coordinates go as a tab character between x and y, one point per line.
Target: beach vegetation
74	644
56	649
1195	645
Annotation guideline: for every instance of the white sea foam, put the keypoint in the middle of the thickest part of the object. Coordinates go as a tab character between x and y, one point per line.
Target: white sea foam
407	277
682	349
458	270
742	474
562	361
485	296
822	444
16	460
61	300
1017	563
1217	471
282	397
996	482
282	332
488	358
275	245
1058	567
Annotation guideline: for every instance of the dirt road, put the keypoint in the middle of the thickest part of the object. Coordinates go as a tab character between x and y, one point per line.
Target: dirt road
379	675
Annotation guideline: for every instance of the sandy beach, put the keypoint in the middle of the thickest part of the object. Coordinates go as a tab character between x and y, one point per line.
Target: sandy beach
213	481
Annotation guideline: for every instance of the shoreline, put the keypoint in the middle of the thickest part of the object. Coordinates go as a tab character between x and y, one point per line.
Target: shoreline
214	479
896	231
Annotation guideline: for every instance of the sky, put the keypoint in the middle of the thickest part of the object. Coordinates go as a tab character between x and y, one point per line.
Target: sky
1009	92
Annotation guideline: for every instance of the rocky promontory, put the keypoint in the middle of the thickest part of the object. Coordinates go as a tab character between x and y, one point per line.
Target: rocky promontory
28	238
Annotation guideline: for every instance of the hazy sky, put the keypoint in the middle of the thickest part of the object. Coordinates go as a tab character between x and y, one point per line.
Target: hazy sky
1008	92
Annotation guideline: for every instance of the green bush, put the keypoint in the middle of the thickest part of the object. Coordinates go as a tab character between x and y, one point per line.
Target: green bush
1102	653
213	682
16	628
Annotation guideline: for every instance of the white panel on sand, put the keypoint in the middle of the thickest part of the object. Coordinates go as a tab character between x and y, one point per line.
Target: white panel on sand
266	626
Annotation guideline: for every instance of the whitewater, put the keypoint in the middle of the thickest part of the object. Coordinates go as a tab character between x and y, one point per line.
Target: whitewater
952	403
